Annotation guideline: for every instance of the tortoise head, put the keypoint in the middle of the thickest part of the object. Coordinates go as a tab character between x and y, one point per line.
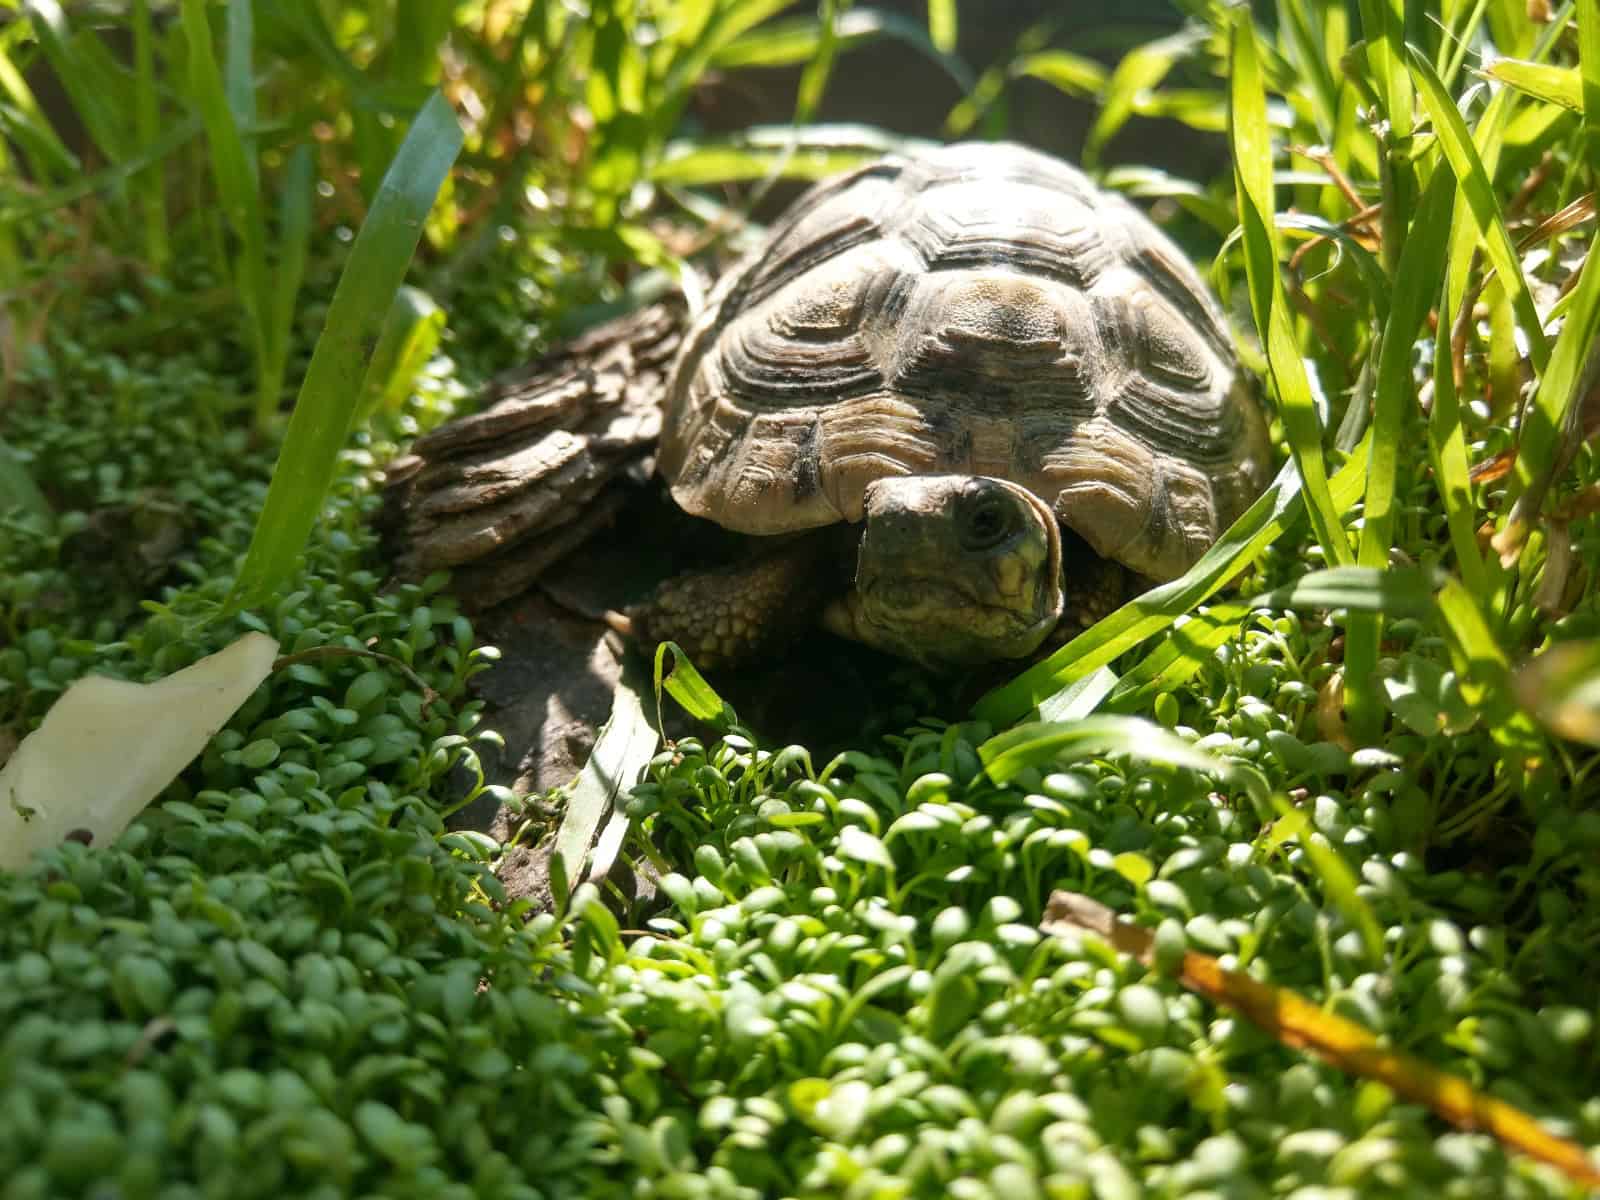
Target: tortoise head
953	569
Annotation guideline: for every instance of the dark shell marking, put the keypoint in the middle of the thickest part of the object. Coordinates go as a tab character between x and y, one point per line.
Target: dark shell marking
981	309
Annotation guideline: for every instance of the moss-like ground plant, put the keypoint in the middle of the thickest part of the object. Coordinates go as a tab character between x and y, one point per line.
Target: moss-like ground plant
290	978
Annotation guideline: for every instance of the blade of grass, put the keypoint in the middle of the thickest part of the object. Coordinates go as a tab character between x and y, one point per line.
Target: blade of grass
1421	261
689	688
235	176
942	27
411	334
814	79
1398	591
727	22
1043	744
1252	155
1079	698
1458	39
1563	86
1141	69
151	182
810	153
1189	646
1070	73
239	78
623	749
1447	439
1462	155
91	93
1540	453
1485	676
1311	62
104	179
1589	68
988	90
1147	183
785	43
48	158
332	388
1140	619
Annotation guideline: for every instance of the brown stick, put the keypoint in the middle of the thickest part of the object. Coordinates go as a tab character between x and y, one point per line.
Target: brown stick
1295	1021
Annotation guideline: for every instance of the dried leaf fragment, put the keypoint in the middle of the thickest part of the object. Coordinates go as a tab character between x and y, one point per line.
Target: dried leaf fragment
107	748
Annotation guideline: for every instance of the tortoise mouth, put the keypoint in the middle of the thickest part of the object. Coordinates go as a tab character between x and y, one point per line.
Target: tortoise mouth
913	599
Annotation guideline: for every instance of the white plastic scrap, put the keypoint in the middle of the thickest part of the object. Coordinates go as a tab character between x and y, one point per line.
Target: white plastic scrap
107	748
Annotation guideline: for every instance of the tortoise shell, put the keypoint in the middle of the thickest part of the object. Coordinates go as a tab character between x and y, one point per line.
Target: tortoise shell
979	309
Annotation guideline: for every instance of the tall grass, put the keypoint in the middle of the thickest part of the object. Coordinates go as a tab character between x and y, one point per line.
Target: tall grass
1398	279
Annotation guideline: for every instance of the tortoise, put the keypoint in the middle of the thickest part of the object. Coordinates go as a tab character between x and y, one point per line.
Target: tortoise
960	401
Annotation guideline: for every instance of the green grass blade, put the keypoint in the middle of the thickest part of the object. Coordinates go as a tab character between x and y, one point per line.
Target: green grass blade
684	683
728	21
1302	38
623	749
942	26
1138	620
1398	591
1462	155
411	335
235	176
1383	22
25	122
239	71
1485	675
1540	453
104	179
1188	647
1541	449
1079	698
1147	183
147	129
91	92
1589	69
786	43
813	152
987	92
1338	880
1045	743
1070	73
814	79
332	388
1421	262
1562	86
1140	70
1447	451
1458	40
1252	155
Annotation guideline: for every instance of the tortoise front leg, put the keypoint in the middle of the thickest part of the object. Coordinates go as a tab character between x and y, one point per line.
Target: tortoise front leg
730	615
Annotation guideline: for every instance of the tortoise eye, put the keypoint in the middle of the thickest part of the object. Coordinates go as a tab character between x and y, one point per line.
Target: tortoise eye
986	522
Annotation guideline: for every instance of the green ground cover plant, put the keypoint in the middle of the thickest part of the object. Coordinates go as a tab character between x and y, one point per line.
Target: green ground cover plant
1350	753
